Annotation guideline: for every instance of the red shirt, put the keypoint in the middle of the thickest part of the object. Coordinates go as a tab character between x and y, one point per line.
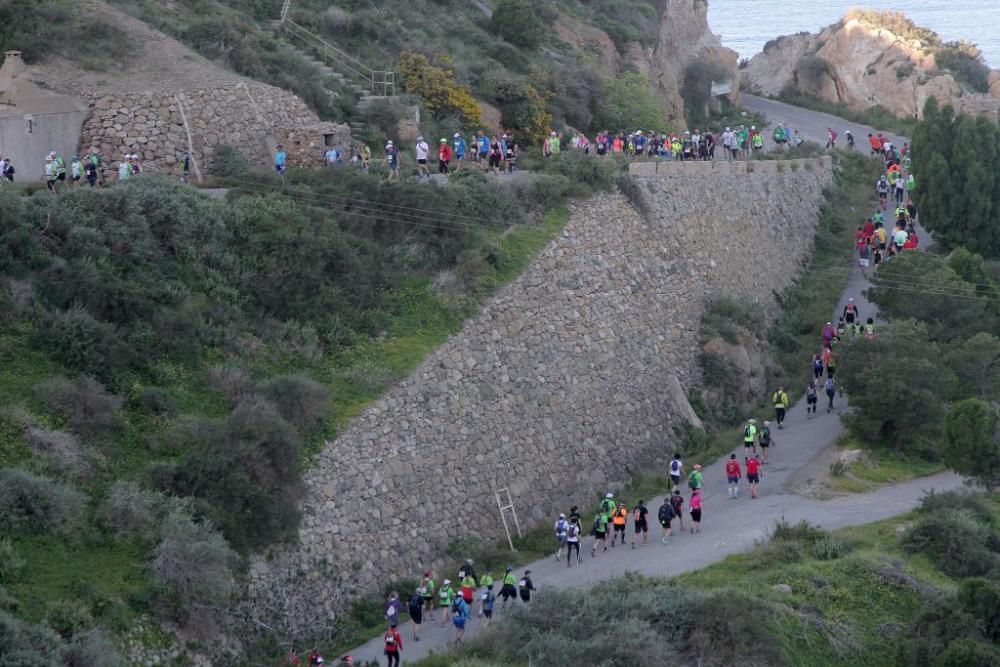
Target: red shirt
753	466
876	143
396	644
868	229
733	468
444	153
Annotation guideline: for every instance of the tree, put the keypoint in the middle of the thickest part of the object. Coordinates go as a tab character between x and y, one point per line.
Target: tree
696	90
523	108
436	86
628	100
972	441
977	366
517	22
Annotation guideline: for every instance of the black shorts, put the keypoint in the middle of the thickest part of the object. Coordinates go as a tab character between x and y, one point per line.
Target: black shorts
811	400
665	524
676	479
488	613
417	617
696	515
422	161
748	445
753	478
494	160
62	176
76	179
619	527
641	527
600	534
765	445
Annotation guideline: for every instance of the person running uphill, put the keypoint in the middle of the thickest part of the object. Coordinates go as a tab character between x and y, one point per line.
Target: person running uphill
393	646
676	468
459	617
666	515
619	520
446	596
811	396
695	478
753	474
749	438
851	314
696	511
639	523
600	532
733	476
561	529
677	502
509	588
831	390
765	439
780	400
573	542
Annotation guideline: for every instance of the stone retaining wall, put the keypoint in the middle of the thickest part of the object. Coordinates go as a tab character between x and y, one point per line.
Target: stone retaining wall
568	383
252	117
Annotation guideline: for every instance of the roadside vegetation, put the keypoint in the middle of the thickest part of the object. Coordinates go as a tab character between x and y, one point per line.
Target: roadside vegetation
898	592
171	362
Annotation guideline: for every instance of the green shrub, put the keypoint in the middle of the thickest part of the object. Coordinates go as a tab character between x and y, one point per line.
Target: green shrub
29	502
956	541
829	548
229	162
628	102
132	512
154	401
90	411
965	62
11	563
68	617
300	400
730	625
518	23
81	343
696	89
811	69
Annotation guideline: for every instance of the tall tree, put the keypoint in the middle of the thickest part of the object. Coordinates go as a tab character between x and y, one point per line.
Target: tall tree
972	442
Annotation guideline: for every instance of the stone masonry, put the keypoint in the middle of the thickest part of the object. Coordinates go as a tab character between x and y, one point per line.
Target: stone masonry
252	117
568	382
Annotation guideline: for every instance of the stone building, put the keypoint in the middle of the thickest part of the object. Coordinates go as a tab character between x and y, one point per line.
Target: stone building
34	121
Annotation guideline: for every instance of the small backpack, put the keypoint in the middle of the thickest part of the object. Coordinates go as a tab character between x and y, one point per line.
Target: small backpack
573	530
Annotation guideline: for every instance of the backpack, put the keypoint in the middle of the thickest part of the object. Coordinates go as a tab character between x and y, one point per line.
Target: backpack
666	512
811	391
456	607
390	639
573	530
675	467
597	524
765	434
562	526
829	386
747	433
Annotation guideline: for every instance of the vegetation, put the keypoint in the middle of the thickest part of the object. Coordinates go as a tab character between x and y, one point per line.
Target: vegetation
881	594
437	89
875	116
628	101
163	392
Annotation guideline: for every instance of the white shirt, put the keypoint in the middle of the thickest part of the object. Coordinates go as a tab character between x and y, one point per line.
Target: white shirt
422	150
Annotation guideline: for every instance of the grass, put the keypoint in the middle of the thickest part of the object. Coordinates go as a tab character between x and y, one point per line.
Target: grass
877	467
107	575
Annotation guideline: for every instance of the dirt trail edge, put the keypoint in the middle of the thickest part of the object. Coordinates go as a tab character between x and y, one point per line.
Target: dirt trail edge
728	526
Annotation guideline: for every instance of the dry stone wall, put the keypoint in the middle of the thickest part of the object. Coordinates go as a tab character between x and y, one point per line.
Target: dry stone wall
569	381
252	117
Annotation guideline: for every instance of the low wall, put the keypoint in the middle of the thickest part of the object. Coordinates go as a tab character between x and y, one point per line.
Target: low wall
568	382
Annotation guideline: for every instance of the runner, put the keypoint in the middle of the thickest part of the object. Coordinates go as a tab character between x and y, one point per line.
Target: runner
392	609
393	646
561	528
421	150
696	511
444	156
765	439
618	520
817	364
882	190
573	542
392	160
509	588
811	396
459	617
780	400
427	592
695	478
850	139
486	605
676	468
851	313
677	502
525	586
446	595
639	523
468	584
666	515
831	390
870	329
415	608
733	476
831	138
510	154
753	474
749	438
486	585
829	331
600	532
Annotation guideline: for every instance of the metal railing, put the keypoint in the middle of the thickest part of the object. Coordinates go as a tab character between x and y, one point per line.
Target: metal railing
379	82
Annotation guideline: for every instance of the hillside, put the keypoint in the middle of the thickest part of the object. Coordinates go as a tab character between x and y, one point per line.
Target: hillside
872	59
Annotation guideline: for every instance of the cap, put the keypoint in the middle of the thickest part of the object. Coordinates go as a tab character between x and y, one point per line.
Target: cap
610	495
446	582
443	140
420	138
851	300
697	466
562	516
457	135
389	143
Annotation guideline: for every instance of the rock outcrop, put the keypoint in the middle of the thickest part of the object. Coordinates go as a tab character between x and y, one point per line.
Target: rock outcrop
867	59
568	382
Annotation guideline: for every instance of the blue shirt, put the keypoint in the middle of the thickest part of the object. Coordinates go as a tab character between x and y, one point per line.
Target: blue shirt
459	146
484	144
279	158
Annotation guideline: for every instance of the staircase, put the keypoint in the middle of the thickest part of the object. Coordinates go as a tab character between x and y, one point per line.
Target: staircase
368	85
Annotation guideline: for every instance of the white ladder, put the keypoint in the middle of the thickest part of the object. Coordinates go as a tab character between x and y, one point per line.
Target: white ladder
504	505
284	9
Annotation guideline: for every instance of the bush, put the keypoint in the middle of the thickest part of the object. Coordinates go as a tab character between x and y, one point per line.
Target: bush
91	649
193	565
829	548
523	108
629	102
155	401
965	62
517	22
436	86
696	89
11	563
29	502
811	69
79	342
133	512
90	411
729	626
956	541
68	617
61	449
229	162
244	473
585	174
300	400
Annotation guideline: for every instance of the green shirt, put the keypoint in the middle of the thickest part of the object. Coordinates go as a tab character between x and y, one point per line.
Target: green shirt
445	596
602	522
749	433
486	581
509	579
468	582
694	480
554	145
427	588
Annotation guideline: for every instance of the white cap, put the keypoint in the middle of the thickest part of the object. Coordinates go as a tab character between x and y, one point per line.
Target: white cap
457	135
447	581
562	516
610	495
389	143
418	139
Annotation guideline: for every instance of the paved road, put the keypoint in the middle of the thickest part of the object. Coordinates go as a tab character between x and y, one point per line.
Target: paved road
728	526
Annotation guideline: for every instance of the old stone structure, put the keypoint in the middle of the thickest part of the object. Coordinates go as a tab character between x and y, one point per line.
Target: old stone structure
34	121
252	117
569	381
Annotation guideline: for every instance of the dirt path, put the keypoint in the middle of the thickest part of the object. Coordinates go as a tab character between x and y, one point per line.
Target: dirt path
729	526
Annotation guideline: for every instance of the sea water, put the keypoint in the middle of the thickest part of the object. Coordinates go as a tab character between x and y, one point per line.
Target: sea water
746	25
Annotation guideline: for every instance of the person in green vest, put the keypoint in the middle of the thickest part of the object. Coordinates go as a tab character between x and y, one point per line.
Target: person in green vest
608	505
780	401
509	589
426	588
695	478
749	438
486	586
911	185
554	142
600	531
446	595
779	135
743	136
468	588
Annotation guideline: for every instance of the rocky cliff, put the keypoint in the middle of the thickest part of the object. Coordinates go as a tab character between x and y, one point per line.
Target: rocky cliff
873	58
569	382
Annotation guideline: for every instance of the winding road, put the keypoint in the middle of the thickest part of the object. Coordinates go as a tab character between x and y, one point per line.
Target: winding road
728	526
